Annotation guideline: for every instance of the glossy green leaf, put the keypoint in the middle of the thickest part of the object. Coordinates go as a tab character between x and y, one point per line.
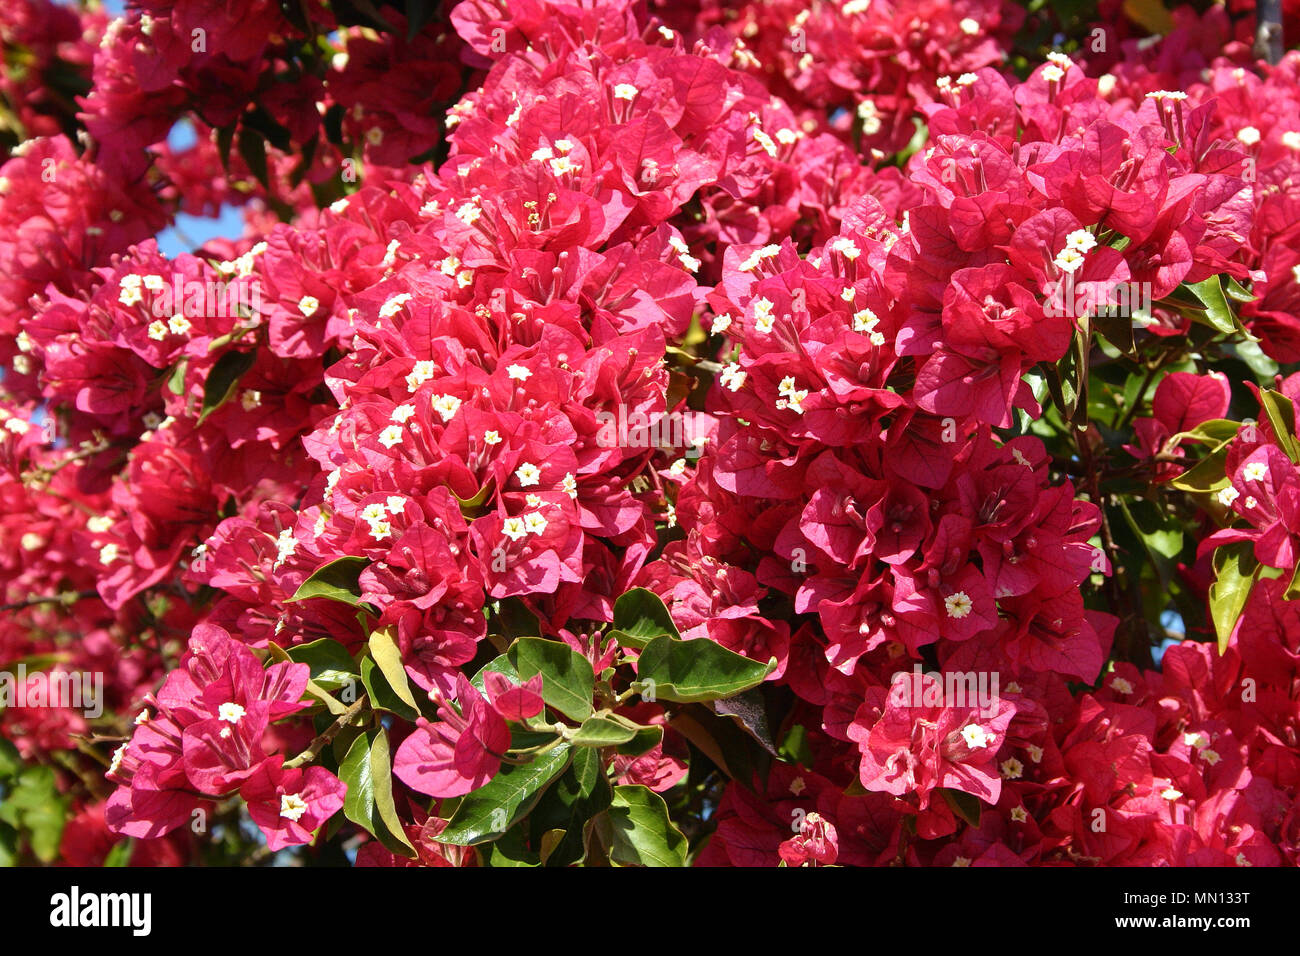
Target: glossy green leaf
601	730
643	834
120	854
367	771
495	807
1236	572
222	379
567	679
965	805
639	617
696	670
568	808
1281	416
331	665
381	693
389	658
336	581
1215	311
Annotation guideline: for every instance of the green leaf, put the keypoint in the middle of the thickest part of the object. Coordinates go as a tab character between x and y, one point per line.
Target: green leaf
222	379
1236	570
569	806
386	654
1281	416
603	730
639	617
509	851
643	834
1236	291
381	693
1207	475
567	679
367	771
359	803
332	704
381	775
1160	533
252	150
176	380
331	665
696	670
644	740
120	855
1215	311
495	807
965	805
1293	589
336	581
1215	431
36	808
10	760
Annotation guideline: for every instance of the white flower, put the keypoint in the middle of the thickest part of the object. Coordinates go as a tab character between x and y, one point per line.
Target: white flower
98	524
249	399
958	605
969	26
403	413
285	545
518	372
469	213
395	504
1169	793
865	320
625	91
373	512
157	330
108	553
733	377
763	318
230	712
976	737
423	371
1053	74
1255	471
528	474
491	437
1082	240
154	283
379	530
846	247
721	323
130	290
292	806
179	325
1120	686
1291	140
446	406
1069	259
1227	496
513	528
394	305
1012	769
391	436
534	522
308	305
1248	135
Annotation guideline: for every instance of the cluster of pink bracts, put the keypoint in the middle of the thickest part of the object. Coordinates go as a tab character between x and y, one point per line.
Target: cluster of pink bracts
424	373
